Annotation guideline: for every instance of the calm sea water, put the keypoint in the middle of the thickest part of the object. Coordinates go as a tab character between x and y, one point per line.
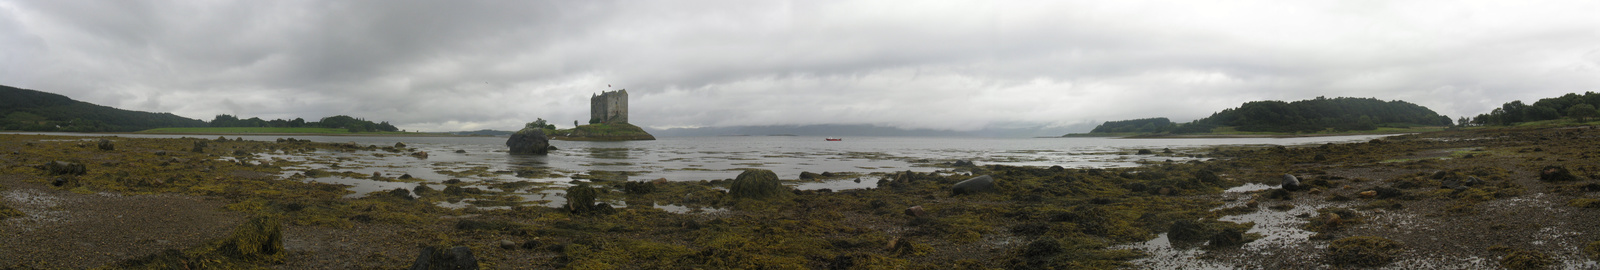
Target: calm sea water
705	158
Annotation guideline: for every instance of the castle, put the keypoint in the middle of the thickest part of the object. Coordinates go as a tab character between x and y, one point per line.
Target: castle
609	107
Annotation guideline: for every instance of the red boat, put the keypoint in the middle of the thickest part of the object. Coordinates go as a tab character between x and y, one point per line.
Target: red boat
833	139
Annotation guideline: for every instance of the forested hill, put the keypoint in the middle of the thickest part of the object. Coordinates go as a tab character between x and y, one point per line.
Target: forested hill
1570	105
1312	115
30	110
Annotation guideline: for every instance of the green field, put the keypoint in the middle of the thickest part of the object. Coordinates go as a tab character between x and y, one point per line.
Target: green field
269	130
1232	131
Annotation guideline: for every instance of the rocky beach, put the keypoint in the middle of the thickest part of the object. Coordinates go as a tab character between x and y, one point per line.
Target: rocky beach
1519	198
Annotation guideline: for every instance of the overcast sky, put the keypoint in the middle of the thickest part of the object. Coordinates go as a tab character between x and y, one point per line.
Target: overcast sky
468	65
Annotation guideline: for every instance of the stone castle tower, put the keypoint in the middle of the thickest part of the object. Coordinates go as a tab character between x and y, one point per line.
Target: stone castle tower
609	107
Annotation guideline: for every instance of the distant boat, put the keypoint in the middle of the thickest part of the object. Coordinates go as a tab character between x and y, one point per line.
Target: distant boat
833	139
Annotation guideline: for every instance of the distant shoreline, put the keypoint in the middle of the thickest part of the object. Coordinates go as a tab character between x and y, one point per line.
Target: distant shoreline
248	134
1228	136
304	134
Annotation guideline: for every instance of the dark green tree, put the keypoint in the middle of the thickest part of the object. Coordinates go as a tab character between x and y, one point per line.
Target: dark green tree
1582	111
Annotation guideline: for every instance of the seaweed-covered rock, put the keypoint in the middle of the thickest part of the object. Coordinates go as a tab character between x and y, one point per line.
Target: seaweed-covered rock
1365	251
260	239
529	141
983	183
199	146
1527	259
63	168
580	199
106	145
1188	230
639	187
456	258
1556	174
756	184
963	163
809	175
1228	237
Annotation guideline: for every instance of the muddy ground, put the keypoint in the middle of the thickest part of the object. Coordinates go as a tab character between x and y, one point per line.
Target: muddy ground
1522	198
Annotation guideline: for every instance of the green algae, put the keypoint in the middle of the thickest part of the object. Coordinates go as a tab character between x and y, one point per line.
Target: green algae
258	241
1593	249
7	212
1522	259
1364	251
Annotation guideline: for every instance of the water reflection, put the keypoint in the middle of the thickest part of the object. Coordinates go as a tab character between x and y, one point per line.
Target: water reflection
608	153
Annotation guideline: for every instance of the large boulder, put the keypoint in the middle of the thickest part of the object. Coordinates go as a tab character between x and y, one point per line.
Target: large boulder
1290	182
983	183
529	141
756	184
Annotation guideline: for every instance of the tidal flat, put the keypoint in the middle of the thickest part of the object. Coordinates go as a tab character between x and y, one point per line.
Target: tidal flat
1524	198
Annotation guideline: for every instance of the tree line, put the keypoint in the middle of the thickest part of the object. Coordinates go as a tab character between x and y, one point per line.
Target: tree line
351	124
1312	115
1570	105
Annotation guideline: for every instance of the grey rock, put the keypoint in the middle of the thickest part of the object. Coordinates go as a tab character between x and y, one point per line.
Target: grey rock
983	183
529	141
1290	182
916	211
507	244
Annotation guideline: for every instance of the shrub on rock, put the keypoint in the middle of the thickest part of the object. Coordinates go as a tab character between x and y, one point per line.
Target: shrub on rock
531	141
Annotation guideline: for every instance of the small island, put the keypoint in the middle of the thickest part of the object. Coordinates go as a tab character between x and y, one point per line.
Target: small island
608	121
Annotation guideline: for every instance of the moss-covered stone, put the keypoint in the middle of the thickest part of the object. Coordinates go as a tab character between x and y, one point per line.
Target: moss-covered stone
1365	251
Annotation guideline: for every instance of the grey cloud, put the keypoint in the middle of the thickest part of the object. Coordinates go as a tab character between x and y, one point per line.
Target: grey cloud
437	65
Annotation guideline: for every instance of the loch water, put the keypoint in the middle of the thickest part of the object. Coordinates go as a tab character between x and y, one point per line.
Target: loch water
722	157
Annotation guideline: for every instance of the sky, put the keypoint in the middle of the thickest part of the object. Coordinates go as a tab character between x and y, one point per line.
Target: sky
946	65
